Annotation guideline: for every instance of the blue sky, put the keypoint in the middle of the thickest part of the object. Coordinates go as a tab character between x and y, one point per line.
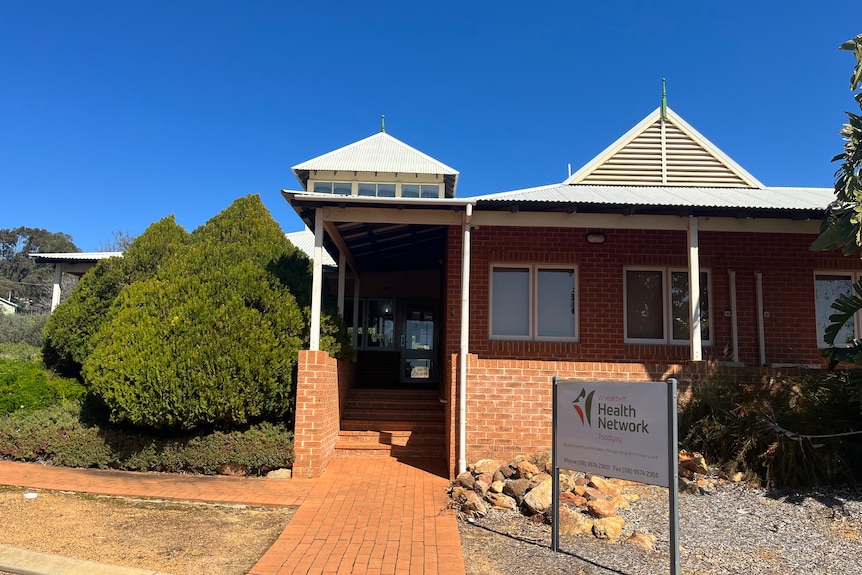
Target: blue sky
114	115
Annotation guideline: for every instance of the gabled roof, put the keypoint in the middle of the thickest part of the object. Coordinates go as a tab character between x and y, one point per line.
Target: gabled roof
378	153
664	152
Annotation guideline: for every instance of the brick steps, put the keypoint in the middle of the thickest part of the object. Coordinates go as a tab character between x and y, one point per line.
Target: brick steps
394	422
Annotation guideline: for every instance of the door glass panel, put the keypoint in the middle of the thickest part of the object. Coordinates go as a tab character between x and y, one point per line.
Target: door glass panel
381	324
419	330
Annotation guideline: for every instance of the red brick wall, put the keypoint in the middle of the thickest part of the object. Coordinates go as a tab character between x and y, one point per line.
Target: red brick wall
321	391
786	264
509	402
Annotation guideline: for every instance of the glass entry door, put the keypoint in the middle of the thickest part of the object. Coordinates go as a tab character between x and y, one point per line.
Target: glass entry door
419	344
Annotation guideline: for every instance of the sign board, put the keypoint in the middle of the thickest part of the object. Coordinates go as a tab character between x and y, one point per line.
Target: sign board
614	429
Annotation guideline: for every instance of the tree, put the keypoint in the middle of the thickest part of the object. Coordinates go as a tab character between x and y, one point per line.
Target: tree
842	225
119	242
70	328
211	339
21	280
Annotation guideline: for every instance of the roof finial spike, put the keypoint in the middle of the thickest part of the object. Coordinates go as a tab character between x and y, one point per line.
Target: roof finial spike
663	100
382	124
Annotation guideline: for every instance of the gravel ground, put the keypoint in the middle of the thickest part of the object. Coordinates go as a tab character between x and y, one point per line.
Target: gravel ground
729	530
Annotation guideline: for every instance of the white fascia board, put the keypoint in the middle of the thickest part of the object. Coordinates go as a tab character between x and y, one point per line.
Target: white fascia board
641	222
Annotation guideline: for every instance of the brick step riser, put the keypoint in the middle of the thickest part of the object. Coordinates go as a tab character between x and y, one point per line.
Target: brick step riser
402	393
353	403
392	415
403	440
393	426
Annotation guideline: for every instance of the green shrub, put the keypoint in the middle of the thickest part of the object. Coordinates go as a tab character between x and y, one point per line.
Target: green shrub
22	328
68	333
758	428
211	342
56	435
23	351
27	386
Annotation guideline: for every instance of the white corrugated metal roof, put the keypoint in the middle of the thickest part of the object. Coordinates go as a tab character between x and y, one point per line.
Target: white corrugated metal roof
304	241
664	152
744	198
75	256
378	153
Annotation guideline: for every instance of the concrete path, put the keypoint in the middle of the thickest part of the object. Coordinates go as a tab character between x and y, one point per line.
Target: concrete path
364	515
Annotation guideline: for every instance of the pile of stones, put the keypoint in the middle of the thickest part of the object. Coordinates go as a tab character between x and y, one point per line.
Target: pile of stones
589	504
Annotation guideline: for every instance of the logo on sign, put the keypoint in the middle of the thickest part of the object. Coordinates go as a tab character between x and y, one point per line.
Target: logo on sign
587	408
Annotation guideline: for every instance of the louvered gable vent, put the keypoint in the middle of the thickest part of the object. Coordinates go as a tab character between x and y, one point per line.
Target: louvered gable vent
667	152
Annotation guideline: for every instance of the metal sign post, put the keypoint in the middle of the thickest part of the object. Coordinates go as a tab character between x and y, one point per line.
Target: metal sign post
673	475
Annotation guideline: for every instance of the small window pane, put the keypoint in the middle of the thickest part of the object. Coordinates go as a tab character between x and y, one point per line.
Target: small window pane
680	306
323	187
386	190
381	324
409	190
432	191
367	190
510	305
556	303
342	188
827	288
644	307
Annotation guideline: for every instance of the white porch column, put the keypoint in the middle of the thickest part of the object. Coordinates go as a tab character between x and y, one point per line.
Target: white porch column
465	341
55	291
316	281
355	338
694	291
342	273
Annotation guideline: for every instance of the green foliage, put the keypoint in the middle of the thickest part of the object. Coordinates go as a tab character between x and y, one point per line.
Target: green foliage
23	351
741	423
211	341
67	336
22	328
27	386
842	225
56	435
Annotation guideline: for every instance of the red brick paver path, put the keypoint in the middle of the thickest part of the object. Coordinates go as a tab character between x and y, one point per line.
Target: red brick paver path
363	515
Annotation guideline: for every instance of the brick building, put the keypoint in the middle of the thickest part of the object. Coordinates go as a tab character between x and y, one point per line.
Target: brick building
660	257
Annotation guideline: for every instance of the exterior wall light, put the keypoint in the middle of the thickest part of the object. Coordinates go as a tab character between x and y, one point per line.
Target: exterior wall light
595	238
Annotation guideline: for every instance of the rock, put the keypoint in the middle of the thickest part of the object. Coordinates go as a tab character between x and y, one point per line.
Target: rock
572	499
526	470
693	462
642	540
496	487
737	477
507	471
465	480
282	473
604	486
482	484
501	501
579	490
609	528
233	469
574	522
539	498
486	466
601	508
537	518
473	505
544	461
567	482
631	497
620	502
517	488
593	493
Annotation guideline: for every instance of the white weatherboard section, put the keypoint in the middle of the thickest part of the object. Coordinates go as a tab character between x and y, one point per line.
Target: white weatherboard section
620	429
